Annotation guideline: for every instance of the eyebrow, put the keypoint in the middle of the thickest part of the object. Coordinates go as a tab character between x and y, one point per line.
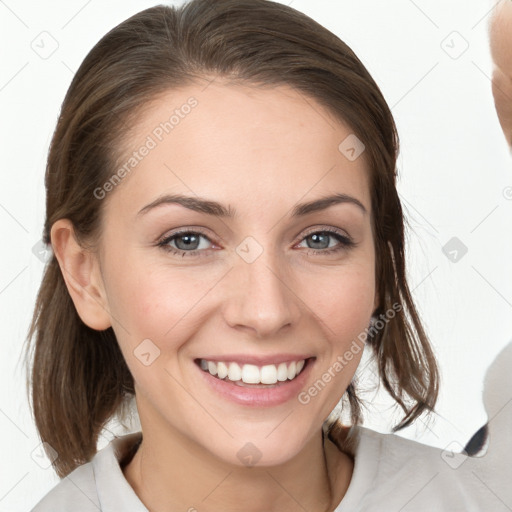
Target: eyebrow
199	204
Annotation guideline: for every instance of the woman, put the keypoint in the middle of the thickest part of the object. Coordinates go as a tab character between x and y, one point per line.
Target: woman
227	238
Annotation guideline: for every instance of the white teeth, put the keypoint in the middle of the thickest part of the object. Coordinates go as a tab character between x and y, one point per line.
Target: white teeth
282	372
269	374
252	374
235	372
222	370
212	368
291	370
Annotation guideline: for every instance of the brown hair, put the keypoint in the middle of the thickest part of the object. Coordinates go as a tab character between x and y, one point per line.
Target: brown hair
79	379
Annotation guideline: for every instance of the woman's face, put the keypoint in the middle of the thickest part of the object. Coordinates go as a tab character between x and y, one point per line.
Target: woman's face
270	283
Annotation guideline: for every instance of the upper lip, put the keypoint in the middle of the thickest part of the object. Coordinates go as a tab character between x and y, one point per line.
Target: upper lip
242	359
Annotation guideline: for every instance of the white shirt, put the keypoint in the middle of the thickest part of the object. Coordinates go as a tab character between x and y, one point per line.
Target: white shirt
391	474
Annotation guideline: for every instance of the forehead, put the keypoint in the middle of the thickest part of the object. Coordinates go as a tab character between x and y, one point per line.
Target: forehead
241	144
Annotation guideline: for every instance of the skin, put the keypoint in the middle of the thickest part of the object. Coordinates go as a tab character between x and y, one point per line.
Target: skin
261	151
500	32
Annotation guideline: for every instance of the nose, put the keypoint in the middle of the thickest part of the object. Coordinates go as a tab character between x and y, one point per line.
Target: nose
261	299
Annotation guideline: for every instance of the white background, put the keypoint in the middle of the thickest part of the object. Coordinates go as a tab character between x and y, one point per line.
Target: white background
454	167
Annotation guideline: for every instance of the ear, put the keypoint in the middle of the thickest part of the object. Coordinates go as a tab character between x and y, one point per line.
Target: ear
81	272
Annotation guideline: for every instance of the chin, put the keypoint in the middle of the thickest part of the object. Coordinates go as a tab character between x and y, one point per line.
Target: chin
258	451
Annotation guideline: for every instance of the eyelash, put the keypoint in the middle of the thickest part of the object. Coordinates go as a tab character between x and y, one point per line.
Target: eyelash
345	243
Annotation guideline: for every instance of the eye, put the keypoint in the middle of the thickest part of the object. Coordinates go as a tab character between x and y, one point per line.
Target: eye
320	241
188	243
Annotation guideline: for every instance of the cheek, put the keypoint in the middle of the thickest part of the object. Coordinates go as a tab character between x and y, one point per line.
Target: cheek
151	302
152	312
343	301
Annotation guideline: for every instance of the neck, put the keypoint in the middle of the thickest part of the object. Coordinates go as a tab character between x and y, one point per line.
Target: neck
170	473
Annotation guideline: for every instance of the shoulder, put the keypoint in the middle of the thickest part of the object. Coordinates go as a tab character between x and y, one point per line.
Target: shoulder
394	473
98	485
76	491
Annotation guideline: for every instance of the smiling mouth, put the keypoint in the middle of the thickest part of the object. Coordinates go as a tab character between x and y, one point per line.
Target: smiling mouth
249	375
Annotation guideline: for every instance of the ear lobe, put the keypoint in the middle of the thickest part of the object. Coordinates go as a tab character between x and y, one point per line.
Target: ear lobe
80	269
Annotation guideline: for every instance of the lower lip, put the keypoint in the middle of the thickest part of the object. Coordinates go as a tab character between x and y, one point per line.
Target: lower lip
259	397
